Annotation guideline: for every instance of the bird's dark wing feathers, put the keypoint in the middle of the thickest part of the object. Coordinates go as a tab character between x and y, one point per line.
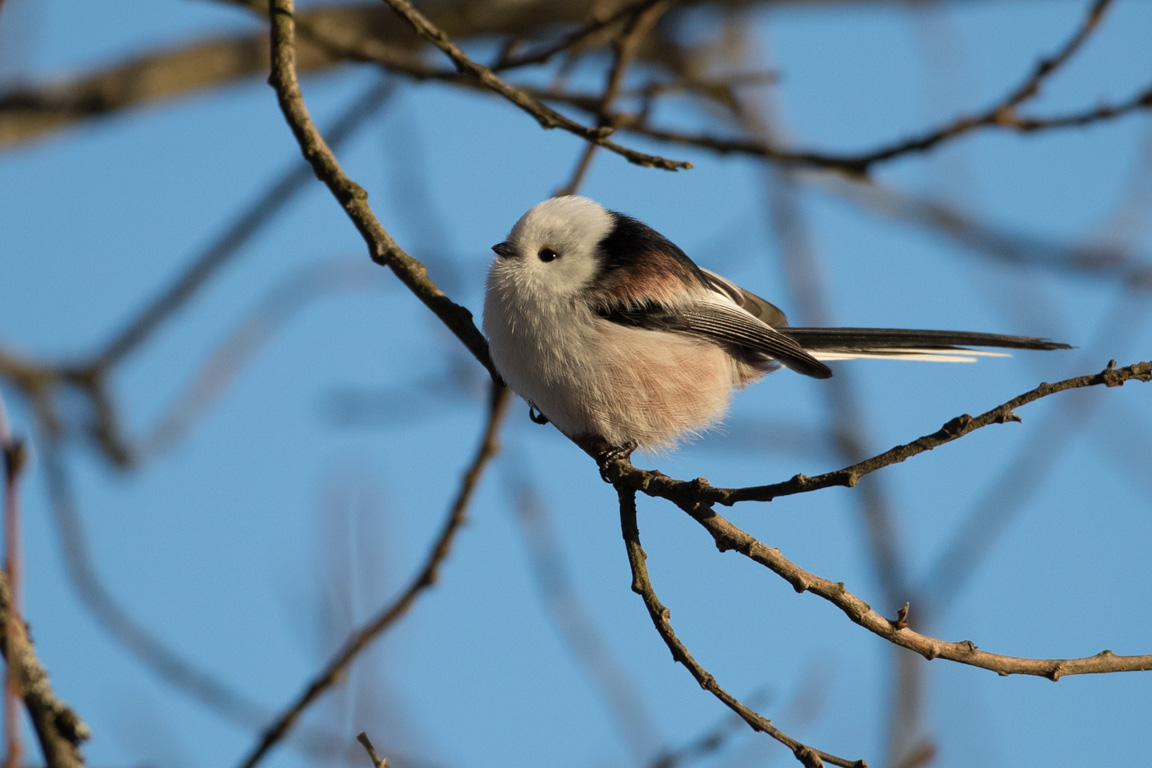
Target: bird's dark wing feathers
873	339
761	309
753	329
728	327
631	242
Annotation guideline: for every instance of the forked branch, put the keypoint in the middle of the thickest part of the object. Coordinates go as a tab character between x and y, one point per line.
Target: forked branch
661	619
545	115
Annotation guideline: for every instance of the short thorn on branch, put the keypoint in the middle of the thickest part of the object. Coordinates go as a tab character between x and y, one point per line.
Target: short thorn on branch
377	761
901	618
1109	375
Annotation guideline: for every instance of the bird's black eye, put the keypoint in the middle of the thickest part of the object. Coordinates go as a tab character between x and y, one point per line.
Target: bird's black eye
547	254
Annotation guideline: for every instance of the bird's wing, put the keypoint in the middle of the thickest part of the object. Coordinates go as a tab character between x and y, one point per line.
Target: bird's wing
723	324
762	310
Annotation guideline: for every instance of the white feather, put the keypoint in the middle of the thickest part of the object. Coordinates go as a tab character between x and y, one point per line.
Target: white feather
914	355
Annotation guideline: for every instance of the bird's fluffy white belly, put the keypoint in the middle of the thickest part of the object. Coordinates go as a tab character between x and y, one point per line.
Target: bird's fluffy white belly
589	376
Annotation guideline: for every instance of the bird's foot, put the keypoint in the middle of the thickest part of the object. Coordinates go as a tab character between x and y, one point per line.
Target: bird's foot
610	455
536	416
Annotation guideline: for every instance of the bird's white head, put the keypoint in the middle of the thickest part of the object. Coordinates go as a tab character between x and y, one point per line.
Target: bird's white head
553	250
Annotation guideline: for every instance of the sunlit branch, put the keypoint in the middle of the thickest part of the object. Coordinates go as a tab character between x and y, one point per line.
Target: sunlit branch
351	196
700	491
729	537
59	729
661	619
545	115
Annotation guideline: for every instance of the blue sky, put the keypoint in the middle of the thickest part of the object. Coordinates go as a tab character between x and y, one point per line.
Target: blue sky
256	543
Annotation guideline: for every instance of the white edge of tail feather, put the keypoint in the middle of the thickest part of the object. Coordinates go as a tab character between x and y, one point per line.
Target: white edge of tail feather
916	355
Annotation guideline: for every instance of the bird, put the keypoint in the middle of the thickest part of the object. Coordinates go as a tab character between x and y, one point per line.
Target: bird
614	335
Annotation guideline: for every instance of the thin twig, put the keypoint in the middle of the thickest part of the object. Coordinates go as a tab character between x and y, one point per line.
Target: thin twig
59	729
606	674
543	54
632	36
730	537
1045	67
1000	115
855	165
365	48
377	761
700	491
545	115
424	579
13	460
401	61
642	586
351	196
1089	116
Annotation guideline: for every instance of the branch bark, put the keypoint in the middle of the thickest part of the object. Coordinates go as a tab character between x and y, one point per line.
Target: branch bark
59	729
730	537
545	115
661	619
699	491
351	196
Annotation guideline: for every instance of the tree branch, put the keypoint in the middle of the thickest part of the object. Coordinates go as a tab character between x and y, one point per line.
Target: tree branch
59	729
607	675
13	460
351	196
699	491
545	115
728	537
633	34
696	498
377	761
642	586
572	39
423	580
1002	115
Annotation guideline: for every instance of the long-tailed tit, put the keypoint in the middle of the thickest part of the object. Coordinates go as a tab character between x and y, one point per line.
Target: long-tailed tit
610	331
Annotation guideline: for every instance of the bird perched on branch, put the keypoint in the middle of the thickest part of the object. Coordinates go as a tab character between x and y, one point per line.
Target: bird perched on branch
613	334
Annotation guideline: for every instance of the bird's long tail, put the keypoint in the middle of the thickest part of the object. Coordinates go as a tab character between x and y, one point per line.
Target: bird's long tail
900	344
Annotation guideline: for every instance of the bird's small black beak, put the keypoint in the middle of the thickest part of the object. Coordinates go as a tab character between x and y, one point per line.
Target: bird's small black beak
504	250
